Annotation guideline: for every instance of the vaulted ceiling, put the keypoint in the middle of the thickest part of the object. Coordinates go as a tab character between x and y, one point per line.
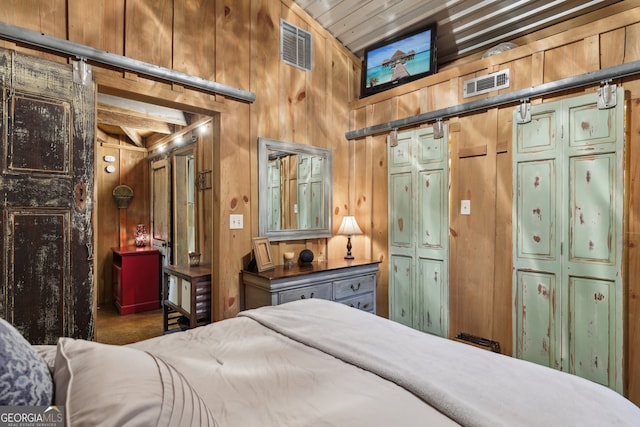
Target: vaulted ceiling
464	26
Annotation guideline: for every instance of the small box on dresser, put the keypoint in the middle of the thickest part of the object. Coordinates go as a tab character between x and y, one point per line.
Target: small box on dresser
349	282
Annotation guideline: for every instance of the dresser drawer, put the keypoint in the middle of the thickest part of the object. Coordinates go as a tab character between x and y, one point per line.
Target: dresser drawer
322	291
361	302
355	286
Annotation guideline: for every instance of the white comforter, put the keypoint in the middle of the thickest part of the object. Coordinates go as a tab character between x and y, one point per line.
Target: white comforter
317	363
472	386
249	375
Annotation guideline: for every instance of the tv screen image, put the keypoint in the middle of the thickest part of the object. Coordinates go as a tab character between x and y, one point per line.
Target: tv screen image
399	60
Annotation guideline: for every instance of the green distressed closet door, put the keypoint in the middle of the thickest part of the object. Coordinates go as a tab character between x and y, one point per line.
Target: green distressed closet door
568	238
418	231
274	184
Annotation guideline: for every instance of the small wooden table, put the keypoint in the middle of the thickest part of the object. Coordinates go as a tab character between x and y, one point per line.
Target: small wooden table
186	296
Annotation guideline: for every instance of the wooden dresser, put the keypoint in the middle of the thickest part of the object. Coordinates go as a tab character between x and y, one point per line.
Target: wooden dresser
348	282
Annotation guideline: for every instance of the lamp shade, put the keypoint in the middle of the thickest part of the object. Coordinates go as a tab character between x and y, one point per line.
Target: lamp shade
349	226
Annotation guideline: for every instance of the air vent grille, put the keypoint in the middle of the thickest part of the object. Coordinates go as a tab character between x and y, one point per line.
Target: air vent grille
484	84
295	46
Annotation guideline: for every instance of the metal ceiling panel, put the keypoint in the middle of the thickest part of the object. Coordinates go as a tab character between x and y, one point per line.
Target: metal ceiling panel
464	26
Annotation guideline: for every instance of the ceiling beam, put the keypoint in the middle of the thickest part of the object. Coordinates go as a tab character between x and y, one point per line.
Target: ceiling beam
110	116
133	136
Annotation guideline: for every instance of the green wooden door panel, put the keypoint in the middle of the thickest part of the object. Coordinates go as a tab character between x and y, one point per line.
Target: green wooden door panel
400	155
536	318
400	295
432	197
592	328
429	295
536	237
273	178
593	265
589	126
536	210
400	218
431	151
304	167
317	163
419	230
304	210
540	134
568	186
315	205
592	215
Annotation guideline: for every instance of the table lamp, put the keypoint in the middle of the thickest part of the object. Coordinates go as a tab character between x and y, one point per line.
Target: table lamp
348	228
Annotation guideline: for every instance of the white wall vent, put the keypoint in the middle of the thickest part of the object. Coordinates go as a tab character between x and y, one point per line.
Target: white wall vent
484	84
295	46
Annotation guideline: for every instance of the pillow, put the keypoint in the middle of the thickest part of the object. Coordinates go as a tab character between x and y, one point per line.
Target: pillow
48	354
24	376
107	385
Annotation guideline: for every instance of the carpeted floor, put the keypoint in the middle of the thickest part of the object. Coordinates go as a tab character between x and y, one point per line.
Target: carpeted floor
112	328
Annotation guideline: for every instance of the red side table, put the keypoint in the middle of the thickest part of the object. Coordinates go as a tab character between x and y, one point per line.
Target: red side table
135	279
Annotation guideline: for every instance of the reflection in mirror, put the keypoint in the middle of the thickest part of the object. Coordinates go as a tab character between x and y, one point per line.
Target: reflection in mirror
184	239
294	190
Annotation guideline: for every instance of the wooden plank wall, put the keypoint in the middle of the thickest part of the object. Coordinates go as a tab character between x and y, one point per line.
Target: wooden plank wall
480	244
230	42
116	227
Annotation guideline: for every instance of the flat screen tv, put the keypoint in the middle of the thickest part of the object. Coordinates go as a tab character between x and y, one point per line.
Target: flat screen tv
399	60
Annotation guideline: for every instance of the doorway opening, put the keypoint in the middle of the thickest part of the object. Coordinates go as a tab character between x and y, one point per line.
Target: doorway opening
158	152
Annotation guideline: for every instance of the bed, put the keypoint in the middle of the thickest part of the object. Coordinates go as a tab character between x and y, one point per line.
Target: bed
306	363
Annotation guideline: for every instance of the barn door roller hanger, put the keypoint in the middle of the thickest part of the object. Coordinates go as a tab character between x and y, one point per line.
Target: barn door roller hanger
82	72
607	97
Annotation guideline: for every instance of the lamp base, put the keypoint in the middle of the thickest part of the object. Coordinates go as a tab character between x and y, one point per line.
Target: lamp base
349	256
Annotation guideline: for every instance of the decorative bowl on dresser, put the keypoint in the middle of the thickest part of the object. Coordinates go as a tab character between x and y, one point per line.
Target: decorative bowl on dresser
349	282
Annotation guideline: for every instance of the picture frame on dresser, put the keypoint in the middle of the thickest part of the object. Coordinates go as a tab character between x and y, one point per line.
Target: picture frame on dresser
262	254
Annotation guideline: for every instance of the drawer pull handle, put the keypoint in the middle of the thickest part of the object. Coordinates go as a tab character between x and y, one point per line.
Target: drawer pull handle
359	303
304	297
355	288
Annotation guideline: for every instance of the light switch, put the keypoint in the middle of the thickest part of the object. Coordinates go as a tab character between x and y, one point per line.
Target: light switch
236	221
465	207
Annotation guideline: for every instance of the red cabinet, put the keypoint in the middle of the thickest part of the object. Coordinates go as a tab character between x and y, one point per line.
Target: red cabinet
136	279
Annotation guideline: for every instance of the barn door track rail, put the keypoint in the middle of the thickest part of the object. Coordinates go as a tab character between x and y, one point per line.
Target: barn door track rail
86	53
603	76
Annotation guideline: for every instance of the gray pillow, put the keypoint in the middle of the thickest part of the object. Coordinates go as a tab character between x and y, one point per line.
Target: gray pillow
24	376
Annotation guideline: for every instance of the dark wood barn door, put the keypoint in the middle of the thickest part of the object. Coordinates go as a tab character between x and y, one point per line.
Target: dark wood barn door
47	133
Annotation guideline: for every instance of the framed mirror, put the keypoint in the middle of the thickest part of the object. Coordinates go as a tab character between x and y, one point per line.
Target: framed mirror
294	190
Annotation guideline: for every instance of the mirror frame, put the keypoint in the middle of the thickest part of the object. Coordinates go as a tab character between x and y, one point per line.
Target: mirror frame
264	146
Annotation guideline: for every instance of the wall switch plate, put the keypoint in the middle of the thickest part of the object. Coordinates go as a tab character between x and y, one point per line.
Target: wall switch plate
236	221
465	207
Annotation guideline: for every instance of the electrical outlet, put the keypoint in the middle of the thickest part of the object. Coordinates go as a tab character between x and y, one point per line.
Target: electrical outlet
236	221
465	207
